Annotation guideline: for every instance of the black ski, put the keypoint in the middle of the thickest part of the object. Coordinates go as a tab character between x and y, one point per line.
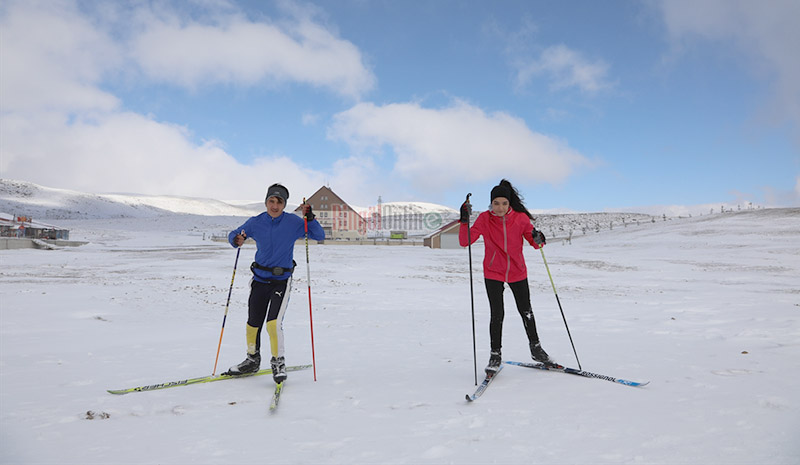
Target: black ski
485	384
573	371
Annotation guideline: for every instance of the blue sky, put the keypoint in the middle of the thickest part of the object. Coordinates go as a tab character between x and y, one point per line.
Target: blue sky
585	106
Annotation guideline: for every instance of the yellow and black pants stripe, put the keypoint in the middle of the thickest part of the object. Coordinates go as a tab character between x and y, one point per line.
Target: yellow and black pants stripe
268	301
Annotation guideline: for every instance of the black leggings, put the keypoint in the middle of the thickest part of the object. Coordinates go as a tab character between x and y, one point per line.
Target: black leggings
268	301
522	296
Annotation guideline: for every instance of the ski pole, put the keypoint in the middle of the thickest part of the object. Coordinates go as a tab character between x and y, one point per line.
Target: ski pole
559	307
308	277
227	304
472	294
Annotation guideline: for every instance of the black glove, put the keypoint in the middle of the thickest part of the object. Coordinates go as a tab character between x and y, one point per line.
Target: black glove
466	211
308	213
538	237
239	239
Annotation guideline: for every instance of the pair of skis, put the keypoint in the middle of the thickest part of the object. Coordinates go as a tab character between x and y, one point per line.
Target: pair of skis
209	379
559	368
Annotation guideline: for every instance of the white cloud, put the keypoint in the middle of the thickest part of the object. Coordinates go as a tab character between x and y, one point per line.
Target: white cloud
437	148
565	68
358	180
766	31
53	58
60	128
234	49
560	66
126	152
56	56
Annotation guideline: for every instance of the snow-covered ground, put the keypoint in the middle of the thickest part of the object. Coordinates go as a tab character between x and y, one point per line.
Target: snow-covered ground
707	309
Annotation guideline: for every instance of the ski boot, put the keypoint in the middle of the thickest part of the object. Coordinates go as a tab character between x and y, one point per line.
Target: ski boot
494	362
250	364
278	369
539	355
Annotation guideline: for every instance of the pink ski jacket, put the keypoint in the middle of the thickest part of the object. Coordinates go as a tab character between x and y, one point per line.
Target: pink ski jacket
502	237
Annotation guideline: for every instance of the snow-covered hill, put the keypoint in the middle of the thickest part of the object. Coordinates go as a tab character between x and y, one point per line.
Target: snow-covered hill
29	199
574	225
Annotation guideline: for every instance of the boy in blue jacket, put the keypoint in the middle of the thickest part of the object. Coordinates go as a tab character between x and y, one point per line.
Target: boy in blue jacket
275	233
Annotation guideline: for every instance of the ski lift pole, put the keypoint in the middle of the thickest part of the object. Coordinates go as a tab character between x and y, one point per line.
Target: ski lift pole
541	249
308	277
227	304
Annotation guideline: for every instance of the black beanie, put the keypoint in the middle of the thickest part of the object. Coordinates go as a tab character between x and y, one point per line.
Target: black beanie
501	190
277	190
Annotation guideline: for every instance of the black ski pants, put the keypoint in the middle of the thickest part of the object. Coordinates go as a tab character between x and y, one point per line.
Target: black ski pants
522	296
268	301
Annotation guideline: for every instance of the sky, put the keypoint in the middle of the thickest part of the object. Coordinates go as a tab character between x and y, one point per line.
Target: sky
583	106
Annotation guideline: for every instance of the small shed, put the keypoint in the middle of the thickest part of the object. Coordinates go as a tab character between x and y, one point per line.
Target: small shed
445	237
26	227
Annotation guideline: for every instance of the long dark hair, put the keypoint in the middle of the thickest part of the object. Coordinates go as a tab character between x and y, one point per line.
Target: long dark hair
505	189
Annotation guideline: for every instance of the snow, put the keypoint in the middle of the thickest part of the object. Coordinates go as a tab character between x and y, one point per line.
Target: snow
707	309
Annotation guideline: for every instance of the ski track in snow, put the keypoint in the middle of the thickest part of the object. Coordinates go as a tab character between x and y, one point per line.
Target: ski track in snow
706	309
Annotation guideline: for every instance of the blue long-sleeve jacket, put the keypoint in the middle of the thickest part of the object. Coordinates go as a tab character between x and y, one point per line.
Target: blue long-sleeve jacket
275	238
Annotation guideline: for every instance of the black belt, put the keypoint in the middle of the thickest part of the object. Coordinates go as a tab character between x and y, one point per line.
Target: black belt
275	270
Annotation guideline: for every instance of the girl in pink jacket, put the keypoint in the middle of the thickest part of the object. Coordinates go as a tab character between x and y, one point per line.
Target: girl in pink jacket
503	229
